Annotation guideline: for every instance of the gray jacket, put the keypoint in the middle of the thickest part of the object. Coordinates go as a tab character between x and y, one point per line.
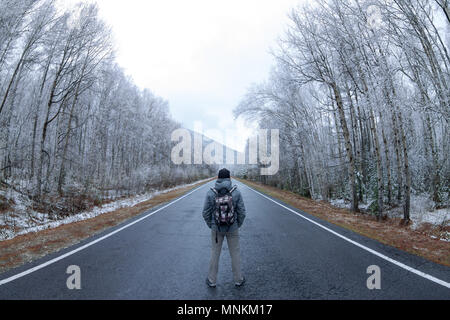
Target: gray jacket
210	207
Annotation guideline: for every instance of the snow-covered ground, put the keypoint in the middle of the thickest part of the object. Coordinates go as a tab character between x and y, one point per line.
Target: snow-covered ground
342	203
24	220
421	211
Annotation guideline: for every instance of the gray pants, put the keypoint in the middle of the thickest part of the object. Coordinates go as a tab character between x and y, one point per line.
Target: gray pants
233	246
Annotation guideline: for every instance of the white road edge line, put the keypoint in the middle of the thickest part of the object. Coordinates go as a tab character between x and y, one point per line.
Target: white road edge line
397	263
45	264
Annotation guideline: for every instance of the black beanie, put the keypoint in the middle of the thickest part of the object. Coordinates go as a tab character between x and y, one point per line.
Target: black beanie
224	174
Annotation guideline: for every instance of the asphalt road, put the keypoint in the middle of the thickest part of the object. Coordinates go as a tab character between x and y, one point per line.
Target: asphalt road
284	256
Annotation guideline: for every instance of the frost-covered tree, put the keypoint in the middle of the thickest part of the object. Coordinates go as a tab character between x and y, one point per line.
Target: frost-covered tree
72	123
363	105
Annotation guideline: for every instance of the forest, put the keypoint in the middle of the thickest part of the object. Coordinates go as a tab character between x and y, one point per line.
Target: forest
360	94
72	123
330	116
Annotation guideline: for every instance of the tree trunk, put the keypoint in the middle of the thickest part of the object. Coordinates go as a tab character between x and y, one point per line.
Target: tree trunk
388	161
36	116
407	172
348	147
435	180
380	189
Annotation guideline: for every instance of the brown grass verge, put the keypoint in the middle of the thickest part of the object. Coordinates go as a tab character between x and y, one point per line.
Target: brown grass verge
31	246
388	231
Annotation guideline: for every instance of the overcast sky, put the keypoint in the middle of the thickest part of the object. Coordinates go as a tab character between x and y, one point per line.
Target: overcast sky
200	55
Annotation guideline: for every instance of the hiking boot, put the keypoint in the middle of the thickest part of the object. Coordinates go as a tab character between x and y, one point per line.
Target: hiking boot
210	284
240	283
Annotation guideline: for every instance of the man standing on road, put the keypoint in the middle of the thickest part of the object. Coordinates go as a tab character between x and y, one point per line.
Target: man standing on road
224	213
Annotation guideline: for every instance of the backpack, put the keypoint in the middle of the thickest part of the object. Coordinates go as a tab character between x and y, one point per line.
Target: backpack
225	213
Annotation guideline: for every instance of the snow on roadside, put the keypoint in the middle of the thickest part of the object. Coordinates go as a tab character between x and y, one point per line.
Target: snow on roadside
421	212
340	203
343	204
25	220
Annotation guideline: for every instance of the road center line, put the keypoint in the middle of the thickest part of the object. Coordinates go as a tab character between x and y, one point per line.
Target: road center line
45	264
397	263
